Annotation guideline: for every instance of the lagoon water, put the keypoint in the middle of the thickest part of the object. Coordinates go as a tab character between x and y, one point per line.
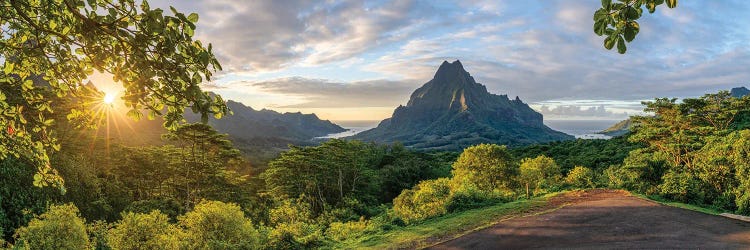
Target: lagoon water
583	129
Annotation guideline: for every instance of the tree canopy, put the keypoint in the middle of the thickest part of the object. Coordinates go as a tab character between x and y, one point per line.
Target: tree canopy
50	47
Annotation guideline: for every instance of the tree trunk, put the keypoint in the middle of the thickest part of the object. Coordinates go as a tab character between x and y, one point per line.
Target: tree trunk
527	190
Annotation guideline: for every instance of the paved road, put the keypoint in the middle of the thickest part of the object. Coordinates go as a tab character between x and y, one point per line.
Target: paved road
610	220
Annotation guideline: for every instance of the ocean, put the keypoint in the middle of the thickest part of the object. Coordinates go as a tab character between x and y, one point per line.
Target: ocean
584	129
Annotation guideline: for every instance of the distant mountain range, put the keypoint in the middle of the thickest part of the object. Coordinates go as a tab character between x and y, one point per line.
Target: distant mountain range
739	92
264	127
453	111
259	134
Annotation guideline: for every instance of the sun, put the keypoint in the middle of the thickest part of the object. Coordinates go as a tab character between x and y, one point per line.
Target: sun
109	98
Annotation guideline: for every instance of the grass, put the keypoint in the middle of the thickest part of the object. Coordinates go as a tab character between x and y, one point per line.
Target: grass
661	200
445	227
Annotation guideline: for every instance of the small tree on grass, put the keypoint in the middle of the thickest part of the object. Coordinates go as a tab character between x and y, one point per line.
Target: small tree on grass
488	167
537	172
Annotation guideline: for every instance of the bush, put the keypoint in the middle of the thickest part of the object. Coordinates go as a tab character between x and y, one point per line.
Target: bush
341	231
682	187
741	159
144	231
60	227
293	226
219	225
98	231
466	199
428	199
580	177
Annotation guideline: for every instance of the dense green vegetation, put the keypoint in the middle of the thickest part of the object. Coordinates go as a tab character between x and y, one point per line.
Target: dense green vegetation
696	151
49	48
597	154
190	190
63	186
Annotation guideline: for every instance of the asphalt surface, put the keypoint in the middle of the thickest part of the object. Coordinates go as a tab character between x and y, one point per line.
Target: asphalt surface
610	220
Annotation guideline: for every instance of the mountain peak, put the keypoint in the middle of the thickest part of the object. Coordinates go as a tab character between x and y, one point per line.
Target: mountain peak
453	111
739	92
450	69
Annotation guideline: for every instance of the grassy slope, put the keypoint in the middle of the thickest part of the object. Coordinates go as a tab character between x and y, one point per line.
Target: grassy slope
706	210
446	227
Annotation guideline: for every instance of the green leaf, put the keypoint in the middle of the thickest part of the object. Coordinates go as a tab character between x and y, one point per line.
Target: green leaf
671	3
599	27
135	114
631	30
151	115
605	4
632	13
598	15
27	85
8	67
621	45
193	17
609	42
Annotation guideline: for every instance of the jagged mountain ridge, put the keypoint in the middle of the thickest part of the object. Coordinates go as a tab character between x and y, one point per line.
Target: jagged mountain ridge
453	111
268	127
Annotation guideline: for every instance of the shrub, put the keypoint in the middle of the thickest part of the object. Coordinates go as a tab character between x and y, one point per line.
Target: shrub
580	177
741	159
293	226
144	231
98	231
218	225
428	199
346	230
60	227
466	199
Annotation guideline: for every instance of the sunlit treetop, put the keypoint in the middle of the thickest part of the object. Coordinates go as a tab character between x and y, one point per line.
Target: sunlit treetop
617	20
49	47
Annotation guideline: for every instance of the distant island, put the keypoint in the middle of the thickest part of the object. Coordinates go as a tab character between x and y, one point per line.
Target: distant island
619	129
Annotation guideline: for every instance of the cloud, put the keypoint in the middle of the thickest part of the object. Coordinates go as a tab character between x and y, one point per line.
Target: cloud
305	54
260	36
598	112
318	93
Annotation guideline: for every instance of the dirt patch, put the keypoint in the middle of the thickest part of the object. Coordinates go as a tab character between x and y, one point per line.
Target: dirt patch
597	219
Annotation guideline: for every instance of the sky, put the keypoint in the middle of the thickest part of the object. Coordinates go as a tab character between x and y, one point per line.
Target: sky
358	60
